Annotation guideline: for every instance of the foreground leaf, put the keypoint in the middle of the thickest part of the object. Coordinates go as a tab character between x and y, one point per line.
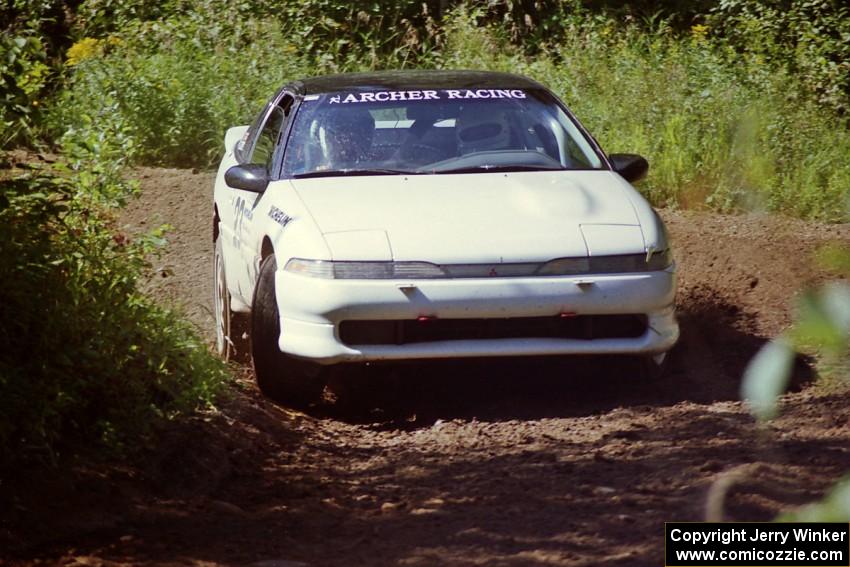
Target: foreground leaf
766	377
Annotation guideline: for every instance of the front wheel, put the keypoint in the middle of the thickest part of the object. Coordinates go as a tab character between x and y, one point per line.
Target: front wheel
654	366
281	377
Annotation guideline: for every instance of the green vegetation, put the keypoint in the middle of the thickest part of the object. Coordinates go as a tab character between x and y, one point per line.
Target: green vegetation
83	354
24	73
86	359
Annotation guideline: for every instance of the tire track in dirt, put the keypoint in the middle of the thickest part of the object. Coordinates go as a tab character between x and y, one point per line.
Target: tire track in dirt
517	462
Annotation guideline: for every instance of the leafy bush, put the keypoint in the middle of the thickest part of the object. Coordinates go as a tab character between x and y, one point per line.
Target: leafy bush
83	354
808	38
24	74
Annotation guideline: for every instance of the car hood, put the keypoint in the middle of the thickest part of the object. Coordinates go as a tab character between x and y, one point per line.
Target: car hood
463	218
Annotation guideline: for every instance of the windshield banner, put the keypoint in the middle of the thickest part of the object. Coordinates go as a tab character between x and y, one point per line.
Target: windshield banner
389	96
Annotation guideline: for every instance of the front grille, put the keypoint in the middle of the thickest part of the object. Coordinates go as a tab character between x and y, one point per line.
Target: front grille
406	331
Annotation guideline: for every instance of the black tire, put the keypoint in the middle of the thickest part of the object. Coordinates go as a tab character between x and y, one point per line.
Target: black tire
281	377
231	342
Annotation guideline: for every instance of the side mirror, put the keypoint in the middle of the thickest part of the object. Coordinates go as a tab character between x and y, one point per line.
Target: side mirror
631	166
248	177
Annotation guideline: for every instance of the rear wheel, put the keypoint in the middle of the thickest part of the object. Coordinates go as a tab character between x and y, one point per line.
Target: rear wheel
281	377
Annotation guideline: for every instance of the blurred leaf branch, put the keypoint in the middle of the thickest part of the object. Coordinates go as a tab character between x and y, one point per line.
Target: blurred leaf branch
822	328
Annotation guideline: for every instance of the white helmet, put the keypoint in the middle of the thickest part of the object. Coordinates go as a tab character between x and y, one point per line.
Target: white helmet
481	128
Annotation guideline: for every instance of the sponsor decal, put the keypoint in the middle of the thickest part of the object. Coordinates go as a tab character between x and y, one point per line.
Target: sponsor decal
447	94
279	216
243	210
242	213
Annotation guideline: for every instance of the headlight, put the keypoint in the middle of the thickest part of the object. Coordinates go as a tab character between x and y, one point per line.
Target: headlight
620	264
364	270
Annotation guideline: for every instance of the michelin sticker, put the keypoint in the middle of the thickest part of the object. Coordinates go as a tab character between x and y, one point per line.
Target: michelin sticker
459	94
279	216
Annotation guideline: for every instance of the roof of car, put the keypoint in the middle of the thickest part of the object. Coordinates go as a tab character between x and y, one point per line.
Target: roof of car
404	80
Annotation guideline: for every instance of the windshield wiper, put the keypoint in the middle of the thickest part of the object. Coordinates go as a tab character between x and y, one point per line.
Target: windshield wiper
489	168
352	172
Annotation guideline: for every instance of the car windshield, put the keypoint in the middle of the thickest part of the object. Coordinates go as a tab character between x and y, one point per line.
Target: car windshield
379	132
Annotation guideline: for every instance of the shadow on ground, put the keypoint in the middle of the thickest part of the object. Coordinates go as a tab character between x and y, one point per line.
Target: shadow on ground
545	499
717	342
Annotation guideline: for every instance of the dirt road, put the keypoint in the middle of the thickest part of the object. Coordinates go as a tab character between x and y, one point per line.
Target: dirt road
520	462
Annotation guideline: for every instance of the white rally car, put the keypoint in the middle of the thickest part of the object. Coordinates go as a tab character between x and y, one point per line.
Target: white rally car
413	215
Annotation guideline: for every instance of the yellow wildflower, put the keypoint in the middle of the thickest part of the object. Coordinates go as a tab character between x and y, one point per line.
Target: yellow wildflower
699	33
86	48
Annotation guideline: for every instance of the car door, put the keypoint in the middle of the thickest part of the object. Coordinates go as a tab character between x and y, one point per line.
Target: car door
261	150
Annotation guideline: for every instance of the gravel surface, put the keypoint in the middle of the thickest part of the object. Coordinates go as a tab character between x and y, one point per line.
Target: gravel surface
517	462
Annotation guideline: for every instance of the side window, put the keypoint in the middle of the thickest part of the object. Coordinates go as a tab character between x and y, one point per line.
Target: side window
267	138
270	133
244	145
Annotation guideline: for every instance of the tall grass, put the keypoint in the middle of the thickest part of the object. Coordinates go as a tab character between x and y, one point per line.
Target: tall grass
721	130
173	94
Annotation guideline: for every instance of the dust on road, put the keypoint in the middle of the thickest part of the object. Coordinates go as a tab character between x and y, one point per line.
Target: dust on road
517	462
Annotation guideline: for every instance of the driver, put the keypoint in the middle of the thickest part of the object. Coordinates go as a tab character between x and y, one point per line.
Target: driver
481	128
345	137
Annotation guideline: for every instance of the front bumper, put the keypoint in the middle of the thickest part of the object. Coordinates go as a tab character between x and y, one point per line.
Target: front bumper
311	310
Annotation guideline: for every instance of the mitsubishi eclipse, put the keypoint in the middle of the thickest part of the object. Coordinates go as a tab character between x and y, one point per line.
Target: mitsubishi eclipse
422	215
